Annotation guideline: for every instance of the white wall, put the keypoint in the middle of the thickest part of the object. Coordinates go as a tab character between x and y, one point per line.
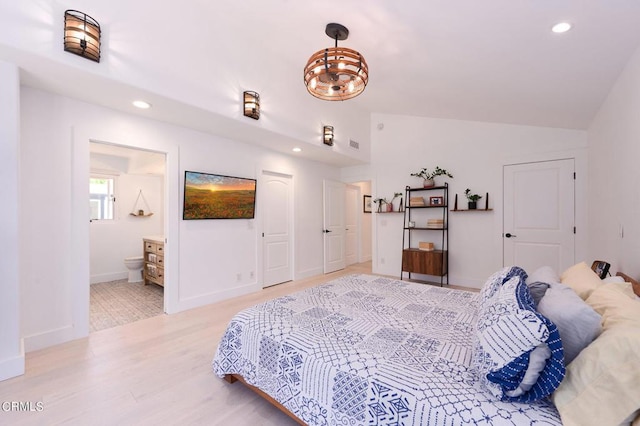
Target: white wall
112	241
204	257
614	175
35	30
475	154
11	353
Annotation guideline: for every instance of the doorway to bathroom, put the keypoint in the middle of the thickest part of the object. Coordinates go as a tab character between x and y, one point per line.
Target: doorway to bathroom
126	205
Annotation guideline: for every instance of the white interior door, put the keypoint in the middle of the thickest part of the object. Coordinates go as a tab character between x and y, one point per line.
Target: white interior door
539	212
352	229
277	241
334	226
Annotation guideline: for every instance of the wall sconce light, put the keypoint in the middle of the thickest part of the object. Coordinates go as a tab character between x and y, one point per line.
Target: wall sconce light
327	135
81	35
252	105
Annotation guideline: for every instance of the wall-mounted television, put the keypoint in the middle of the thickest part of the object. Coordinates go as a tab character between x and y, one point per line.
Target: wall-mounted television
210	196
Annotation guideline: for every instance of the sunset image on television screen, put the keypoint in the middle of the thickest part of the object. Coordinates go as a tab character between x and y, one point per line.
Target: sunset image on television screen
208	196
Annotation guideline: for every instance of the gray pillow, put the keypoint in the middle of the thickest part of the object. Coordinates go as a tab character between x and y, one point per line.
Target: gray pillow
538	282
537	290
577	322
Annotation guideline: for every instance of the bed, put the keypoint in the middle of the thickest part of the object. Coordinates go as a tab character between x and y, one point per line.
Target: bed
367	350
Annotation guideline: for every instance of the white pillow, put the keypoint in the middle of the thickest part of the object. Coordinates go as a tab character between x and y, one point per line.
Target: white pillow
616	303
581	279
602	385
613	279
537	360
544	274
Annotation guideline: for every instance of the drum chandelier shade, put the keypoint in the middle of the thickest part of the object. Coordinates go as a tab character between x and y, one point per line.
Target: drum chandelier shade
81	35
336	73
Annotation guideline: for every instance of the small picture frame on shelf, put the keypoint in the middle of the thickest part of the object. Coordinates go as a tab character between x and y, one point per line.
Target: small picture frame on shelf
367	203
436	201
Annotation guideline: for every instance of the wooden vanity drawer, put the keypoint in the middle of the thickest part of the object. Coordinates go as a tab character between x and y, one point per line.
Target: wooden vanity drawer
154	261
160	278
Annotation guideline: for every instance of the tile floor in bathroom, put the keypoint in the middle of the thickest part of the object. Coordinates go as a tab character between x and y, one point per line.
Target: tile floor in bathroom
116	303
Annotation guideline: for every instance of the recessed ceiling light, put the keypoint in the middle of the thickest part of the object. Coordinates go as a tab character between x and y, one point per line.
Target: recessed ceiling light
141	104
296	149
561	27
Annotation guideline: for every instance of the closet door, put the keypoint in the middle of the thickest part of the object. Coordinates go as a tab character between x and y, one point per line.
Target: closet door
539	215
277	244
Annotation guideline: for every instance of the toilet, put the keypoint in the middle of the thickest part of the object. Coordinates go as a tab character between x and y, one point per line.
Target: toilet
134	265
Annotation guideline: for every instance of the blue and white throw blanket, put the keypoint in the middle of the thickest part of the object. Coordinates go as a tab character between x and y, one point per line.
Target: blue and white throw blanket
365	350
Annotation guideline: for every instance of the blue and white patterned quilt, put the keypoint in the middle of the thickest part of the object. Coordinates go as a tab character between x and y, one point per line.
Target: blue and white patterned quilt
365	350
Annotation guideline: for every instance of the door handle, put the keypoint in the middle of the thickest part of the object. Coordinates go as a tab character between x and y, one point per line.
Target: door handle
508	235
326	231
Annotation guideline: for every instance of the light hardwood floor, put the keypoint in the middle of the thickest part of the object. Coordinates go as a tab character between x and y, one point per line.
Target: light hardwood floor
154	371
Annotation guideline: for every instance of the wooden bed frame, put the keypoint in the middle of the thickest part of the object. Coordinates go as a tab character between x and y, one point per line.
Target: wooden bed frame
634	283
232	378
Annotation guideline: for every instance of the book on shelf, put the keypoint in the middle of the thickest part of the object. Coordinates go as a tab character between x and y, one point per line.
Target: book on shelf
416	202
426	246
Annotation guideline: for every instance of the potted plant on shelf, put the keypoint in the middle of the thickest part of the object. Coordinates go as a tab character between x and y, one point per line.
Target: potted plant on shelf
428	176
381	202
473	199
396	195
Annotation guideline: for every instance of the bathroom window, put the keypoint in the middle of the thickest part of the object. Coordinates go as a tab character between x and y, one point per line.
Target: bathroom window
102	197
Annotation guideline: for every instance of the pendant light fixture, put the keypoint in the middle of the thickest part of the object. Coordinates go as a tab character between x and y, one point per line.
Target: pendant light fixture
336	73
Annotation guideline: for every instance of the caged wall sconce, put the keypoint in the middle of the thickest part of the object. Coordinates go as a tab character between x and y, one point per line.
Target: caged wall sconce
252	105
327	135
81	35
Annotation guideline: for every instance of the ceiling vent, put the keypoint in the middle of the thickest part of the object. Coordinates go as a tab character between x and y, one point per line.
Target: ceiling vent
353	144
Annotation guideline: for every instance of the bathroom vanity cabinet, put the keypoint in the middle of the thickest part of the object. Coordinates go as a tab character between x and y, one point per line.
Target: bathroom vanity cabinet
154	261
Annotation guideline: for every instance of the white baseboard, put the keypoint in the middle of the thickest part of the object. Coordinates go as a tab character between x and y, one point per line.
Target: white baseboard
472	284
14	366
213	297
113	276
466	282
308	273
48	338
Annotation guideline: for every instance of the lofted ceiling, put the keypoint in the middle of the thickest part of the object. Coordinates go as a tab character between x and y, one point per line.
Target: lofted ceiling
494	61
